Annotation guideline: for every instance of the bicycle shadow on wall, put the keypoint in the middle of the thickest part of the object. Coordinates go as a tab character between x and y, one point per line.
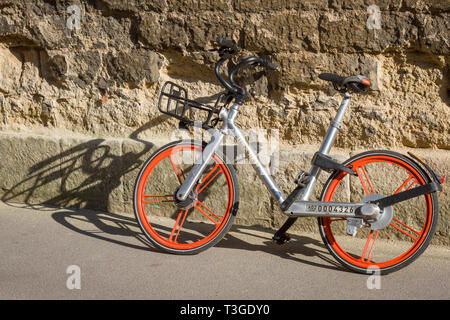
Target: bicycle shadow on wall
84	175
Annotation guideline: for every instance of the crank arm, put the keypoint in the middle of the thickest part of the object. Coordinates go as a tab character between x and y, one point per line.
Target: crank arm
324	209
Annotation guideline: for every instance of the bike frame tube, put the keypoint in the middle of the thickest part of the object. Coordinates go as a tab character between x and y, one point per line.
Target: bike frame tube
228	126
326	147
254	160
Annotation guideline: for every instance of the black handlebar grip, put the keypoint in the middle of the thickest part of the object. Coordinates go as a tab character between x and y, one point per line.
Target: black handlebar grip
267	63
226	43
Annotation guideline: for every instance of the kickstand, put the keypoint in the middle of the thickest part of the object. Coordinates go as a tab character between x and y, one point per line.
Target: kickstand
281	237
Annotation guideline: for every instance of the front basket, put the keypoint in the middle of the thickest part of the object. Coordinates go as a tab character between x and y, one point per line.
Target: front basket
174	102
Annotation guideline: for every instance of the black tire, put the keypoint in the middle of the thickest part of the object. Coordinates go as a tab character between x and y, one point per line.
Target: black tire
423	239
156	238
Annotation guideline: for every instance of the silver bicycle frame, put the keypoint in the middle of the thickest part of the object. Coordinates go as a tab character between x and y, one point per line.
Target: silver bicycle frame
301	207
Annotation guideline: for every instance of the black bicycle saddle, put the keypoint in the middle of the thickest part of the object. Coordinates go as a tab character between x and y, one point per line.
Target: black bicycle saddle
357	83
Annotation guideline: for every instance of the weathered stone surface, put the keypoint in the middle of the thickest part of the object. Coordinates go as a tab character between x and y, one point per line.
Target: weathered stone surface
190	6
275	5
10	69
303	69
435	30
348	32
120	7
281	31
162	32
429	6
29	171
91	172
85	67
392	5
133	68
55	67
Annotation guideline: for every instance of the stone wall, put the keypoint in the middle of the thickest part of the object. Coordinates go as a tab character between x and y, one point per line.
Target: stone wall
78	103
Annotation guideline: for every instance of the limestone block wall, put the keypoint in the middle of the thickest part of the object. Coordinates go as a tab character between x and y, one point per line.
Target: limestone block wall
80	80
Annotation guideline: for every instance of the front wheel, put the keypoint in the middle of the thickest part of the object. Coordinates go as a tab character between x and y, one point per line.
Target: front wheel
408	227
204	221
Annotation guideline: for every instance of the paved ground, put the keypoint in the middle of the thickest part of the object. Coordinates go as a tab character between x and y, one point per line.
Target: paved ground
39	245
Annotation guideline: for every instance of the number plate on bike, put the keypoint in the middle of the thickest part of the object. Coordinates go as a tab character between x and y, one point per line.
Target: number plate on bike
329	208
325	209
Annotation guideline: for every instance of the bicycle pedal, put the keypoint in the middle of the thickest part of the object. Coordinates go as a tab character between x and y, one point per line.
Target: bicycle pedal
281	239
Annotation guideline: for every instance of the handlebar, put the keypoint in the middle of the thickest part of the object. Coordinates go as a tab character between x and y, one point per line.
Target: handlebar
224	82
228	48
254	60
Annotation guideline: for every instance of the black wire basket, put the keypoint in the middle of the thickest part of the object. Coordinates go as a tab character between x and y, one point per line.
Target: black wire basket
174	102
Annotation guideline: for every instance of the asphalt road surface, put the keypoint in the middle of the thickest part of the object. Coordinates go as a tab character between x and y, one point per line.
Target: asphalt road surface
51	253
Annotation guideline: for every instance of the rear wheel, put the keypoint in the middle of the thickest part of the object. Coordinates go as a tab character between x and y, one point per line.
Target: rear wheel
205	220
408	227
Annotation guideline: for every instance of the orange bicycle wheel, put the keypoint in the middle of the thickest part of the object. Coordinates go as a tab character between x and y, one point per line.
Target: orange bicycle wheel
407	229
207	218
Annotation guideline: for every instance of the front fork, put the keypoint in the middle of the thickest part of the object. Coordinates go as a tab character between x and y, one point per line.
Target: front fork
199	166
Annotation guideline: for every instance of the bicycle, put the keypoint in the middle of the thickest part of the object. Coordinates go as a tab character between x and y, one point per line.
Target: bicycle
186	195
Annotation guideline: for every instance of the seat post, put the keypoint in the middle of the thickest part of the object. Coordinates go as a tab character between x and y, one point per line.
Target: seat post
335	125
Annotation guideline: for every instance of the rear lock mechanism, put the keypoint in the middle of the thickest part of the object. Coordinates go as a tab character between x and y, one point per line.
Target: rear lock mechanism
373	217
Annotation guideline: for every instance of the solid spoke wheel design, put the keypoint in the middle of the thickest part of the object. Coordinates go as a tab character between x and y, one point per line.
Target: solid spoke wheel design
410	225
205	219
